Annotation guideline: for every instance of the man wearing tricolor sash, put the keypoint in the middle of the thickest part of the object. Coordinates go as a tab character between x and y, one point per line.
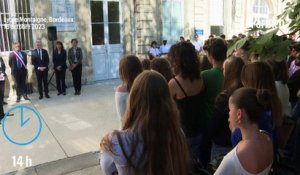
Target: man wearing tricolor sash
18	65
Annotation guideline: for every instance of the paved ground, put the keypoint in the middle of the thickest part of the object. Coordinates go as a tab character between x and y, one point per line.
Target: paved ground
72	127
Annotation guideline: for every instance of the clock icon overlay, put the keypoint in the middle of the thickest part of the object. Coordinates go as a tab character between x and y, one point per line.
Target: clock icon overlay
23	122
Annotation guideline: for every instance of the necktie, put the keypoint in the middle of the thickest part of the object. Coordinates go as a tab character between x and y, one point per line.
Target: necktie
40	54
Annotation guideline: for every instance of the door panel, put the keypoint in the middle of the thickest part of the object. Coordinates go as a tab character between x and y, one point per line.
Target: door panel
107	47
100	66
114	64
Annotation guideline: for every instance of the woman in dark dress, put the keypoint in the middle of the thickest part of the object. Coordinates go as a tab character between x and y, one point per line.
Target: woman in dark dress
60	66
187	90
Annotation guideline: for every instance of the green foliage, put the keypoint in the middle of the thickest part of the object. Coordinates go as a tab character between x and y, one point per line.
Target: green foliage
269	44
237	45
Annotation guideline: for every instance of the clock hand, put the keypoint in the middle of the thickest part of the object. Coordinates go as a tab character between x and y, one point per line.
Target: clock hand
22	118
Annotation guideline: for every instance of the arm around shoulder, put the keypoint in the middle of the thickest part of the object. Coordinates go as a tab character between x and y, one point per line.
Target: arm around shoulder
106	157
107	163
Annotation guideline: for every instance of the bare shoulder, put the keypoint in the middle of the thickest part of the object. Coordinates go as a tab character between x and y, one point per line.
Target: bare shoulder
172	83
121	88
173	87
255	156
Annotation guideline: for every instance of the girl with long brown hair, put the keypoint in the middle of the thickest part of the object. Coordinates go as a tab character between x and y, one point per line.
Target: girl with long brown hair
150	141
219	130
258	75
129	68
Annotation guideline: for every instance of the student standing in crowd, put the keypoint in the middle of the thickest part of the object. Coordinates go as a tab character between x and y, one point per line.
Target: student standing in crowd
40	61
254	153
18	62
162	66
259	75
75	61
211	36
204	63
146	64
293	50
280	72
213	80
294	86
151	141
223	36
2	86
60	66
219	130
187	89
129	68
295	65
294	79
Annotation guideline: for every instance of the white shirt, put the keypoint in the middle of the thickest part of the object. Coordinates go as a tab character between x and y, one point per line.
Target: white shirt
231	165
284	95
121	100
154	51
198	45
75	56
164	49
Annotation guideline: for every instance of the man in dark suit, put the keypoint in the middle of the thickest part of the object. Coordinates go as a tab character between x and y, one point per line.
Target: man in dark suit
40	61
18	63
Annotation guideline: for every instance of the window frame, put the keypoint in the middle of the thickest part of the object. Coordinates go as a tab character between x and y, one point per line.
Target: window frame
17	34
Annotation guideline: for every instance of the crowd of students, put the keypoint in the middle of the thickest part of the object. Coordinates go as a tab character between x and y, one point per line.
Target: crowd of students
176	117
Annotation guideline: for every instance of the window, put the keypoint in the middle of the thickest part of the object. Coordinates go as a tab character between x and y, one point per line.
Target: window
10	9
260	13
97	22
105	28
114	23
172	20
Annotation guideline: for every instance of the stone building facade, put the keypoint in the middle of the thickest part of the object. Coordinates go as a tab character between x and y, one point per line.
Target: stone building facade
108	29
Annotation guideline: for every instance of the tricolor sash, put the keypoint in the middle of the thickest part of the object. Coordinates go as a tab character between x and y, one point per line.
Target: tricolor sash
19	59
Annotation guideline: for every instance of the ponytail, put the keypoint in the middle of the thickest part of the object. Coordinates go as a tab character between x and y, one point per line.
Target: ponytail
253	101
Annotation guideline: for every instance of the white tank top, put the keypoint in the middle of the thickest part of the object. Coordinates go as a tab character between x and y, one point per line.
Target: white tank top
231	165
